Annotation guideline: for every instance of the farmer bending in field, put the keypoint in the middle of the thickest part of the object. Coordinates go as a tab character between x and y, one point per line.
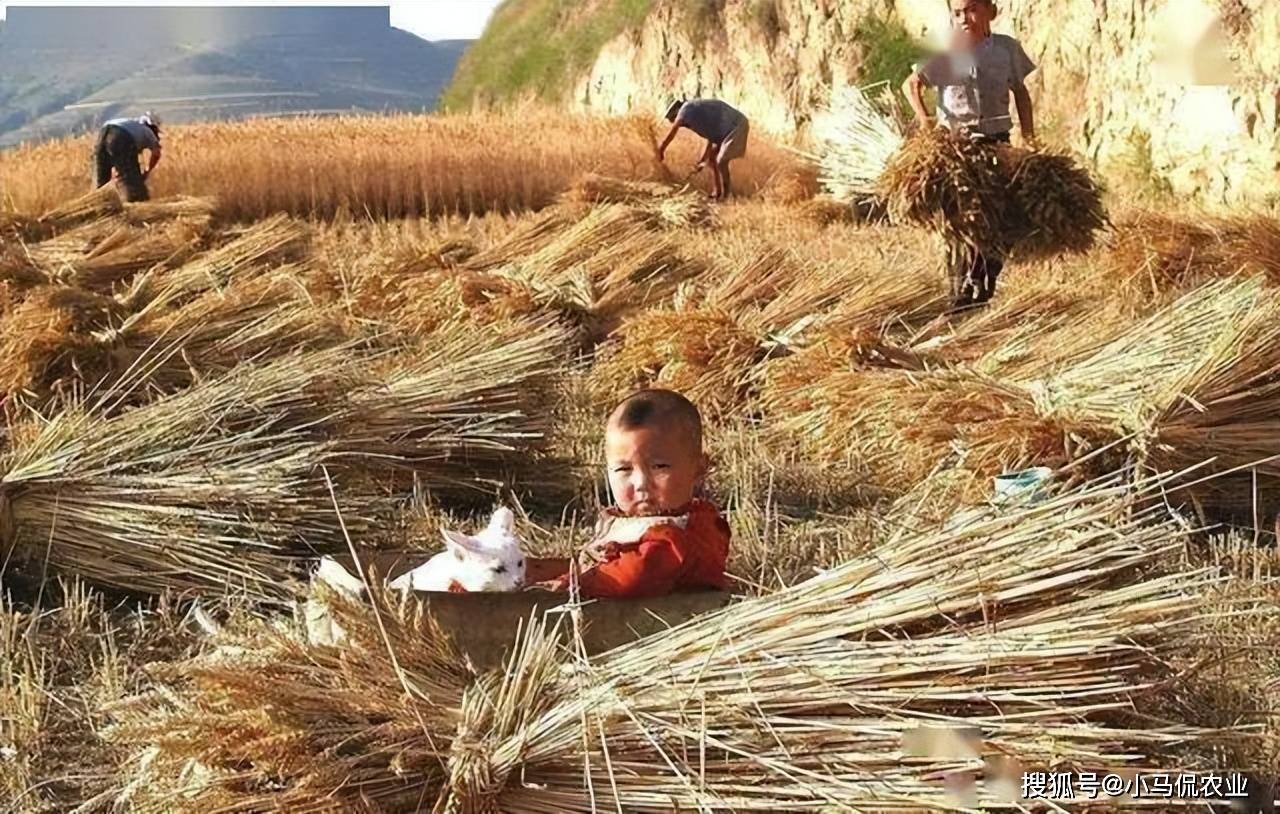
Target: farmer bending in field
660	538
975	79
725	129
120	143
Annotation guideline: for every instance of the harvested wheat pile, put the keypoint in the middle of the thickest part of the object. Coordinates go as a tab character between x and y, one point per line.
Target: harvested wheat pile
1055	207
1158	252
1253	242
908	425
1028	205
58	256
857	136
668	206
133	249
703	353
1042	612
591	188
277	239
467	408
100	203
179	207
16	227
55	334
17	274
212	489
257	319
526	240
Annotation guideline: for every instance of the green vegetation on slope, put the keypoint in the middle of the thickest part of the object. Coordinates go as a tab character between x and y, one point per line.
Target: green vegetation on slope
538	47
889	51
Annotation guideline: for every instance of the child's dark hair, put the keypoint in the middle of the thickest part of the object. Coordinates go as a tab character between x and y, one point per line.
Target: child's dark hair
647	408
995	10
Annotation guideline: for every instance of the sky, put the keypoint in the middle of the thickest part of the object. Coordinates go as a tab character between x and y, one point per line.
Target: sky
429	19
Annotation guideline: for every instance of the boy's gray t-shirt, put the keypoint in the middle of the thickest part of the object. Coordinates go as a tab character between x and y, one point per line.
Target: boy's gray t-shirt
712	119
973	87
143	136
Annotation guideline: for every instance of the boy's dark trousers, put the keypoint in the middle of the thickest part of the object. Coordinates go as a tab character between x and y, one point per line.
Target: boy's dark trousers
117	150
972	273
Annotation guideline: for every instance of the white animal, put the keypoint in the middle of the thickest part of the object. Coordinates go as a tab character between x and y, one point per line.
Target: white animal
488	561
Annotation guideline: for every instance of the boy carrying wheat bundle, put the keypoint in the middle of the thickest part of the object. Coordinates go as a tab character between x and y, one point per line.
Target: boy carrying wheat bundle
975	79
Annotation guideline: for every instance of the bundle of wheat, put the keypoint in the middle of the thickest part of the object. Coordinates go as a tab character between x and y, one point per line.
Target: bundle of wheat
1123	382
906	425
428	303
1055	206
17	273
132	249
1020	203
1155	252
58	256
257	319
949	183
275	239
95	205
16	227
702	352
470	406
607	266
827	209
50	337
526	240
145	213
602	230
1253	243
591	188
668	206
858	137
1019	328
211	489
802	700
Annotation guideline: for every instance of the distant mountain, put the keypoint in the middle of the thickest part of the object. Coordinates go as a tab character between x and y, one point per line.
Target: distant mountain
65	70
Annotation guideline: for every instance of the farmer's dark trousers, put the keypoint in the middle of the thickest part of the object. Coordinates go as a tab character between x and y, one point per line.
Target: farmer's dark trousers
972	273
117	150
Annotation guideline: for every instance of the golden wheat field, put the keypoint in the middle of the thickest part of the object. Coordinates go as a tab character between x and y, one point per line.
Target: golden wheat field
340	336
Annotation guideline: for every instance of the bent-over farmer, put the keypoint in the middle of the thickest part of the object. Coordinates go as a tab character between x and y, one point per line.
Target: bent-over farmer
723	126
120	144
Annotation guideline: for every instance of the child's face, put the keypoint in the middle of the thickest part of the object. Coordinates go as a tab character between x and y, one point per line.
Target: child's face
973	17
652	470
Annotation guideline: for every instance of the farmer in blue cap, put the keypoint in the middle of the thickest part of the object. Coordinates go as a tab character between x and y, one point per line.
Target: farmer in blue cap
120	144
723	126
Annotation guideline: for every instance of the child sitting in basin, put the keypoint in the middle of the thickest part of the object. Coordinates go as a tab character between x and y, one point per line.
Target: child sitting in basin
660	538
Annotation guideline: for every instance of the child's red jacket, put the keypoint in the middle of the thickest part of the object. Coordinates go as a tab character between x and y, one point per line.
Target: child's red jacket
685	553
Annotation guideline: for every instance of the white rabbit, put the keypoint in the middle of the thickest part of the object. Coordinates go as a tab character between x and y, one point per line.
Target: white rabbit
488	561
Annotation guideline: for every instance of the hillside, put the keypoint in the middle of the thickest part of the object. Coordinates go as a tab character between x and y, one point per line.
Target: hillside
63	71
1181	99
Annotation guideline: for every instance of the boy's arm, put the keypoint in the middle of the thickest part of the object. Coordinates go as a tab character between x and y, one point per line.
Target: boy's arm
154	159
1026	118
913	89
666	142
647	570
1023	67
